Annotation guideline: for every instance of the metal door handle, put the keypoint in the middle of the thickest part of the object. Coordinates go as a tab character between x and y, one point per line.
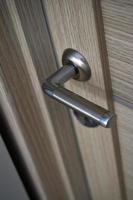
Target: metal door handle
76	66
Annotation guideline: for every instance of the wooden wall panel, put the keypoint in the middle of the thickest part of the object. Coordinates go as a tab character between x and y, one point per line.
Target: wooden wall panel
26	52
74	24
125	129
118	25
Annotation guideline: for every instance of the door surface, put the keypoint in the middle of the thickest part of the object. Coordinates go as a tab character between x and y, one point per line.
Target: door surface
64	159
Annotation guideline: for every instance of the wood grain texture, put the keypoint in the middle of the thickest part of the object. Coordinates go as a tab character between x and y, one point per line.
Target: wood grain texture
32	18
125	129
74	24
23	85
118	24
8	109
23	29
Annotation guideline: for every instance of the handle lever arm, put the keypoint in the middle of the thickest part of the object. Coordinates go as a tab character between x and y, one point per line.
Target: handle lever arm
53	87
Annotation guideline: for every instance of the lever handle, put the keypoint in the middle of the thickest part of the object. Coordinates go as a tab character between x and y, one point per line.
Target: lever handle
76	66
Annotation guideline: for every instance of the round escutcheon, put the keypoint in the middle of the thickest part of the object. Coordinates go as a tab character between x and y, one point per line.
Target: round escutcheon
73	57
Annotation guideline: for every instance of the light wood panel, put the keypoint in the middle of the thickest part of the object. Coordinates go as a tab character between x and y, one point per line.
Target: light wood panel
118	24
32	18
18	70
78	24
7	109
125	128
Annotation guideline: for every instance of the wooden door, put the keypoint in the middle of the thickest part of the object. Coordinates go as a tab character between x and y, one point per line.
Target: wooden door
64	159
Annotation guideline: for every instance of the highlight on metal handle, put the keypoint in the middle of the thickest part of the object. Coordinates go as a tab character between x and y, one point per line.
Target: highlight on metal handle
75	66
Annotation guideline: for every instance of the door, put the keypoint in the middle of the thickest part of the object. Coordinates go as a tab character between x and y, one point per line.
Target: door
64	159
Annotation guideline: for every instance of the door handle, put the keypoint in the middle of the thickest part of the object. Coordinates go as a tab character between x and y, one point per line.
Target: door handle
76	66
